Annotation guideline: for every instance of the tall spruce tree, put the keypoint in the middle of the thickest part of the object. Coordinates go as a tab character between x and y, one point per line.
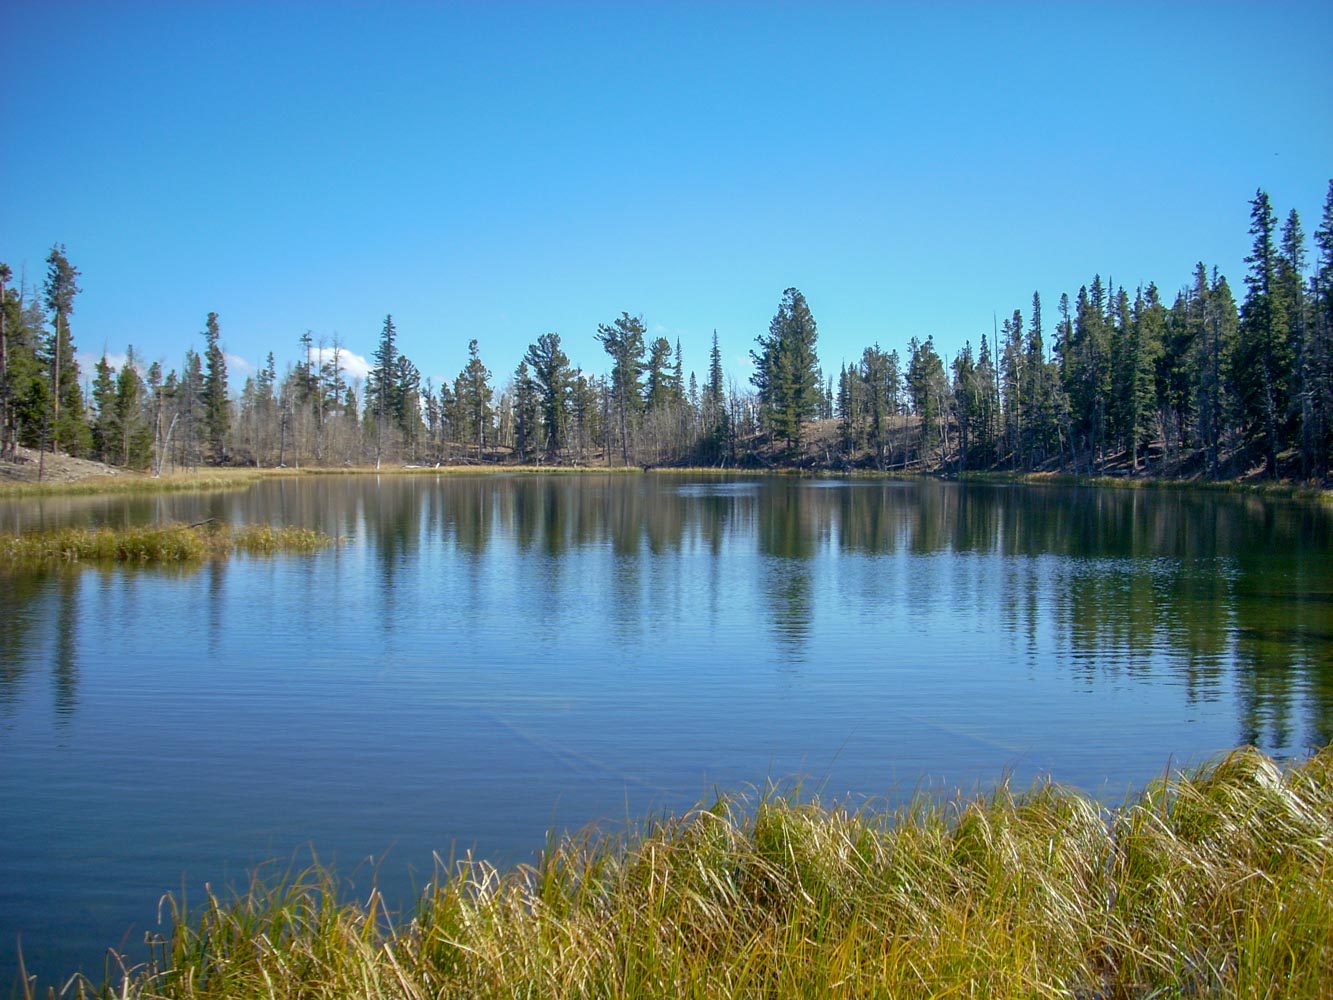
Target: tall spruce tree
623	340
7	436
1316	359
217	404
1262	362
473	395
786	372
553	381
67	425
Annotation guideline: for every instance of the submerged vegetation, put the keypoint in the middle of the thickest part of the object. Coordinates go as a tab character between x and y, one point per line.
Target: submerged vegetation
154	543
1217	882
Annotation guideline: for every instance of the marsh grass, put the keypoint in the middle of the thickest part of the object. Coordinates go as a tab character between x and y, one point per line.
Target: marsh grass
156	543
1214	883
1262	488
202	481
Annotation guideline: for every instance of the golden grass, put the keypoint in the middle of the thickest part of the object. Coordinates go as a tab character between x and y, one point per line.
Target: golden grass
1264	488
1215	883
200	481
156	543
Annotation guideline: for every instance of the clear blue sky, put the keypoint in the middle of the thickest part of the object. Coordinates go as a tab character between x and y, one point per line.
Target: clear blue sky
500	171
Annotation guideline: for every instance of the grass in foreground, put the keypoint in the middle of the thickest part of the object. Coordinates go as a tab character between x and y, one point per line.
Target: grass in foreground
157	543
1217	883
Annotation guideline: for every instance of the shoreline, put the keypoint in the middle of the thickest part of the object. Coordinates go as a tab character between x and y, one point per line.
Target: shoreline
119	481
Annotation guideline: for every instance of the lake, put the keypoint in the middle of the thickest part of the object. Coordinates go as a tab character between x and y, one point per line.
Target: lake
488	658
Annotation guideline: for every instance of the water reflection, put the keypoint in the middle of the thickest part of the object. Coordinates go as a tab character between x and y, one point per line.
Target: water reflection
1217	591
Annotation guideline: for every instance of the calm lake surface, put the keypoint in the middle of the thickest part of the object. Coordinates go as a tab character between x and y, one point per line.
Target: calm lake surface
488	658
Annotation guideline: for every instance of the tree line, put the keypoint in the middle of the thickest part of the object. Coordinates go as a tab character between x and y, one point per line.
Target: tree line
1120	381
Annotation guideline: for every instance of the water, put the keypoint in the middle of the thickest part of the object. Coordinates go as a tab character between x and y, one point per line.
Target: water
486	659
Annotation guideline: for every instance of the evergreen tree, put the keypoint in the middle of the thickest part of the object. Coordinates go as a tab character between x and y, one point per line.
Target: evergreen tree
1213	393
928	388
217	404
984	426
526	433
191	409
472	390
1290	288
786	372
658	390
879	373
1137	370
381	401
104	397
7	430
553	378
407	402
134	435
1011	371
67	425
1262	362
714	414
967	401
623	340
1087	370
1316	358
849	397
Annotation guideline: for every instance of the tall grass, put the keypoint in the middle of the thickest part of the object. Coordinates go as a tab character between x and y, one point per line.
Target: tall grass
1264	488
156	543
1214	883
133	483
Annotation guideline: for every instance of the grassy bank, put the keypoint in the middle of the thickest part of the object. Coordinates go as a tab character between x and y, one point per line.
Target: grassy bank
1264	488
199	481
1216	883
155	543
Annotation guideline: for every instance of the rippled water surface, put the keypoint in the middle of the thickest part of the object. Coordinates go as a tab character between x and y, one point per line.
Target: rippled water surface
488	658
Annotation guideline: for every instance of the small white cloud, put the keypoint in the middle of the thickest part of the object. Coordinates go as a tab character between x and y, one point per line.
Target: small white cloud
659	328
352	364
87	363
238	365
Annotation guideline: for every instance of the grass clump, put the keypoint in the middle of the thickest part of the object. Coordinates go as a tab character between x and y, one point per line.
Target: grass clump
1215	883
200	481
158	543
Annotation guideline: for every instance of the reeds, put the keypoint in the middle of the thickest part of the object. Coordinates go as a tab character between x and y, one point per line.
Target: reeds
128	483
1264	488
155	543
1215	883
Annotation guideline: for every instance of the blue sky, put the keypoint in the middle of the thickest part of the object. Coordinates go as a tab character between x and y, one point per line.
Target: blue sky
500	171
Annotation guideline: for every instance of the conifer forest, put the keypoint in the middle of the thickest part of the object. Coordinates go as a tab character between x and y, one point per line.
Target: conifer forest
1195	378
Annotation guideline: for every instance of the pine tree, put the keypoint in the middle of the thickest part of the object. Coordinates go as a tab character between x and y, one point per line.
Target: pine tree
552	377
191	404
786	372
1218	335
134	435
7	430
67	425
217	404
1316	359
623	340
657	390
1262	363
382	390
879	372
928	388
473	392
104	396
